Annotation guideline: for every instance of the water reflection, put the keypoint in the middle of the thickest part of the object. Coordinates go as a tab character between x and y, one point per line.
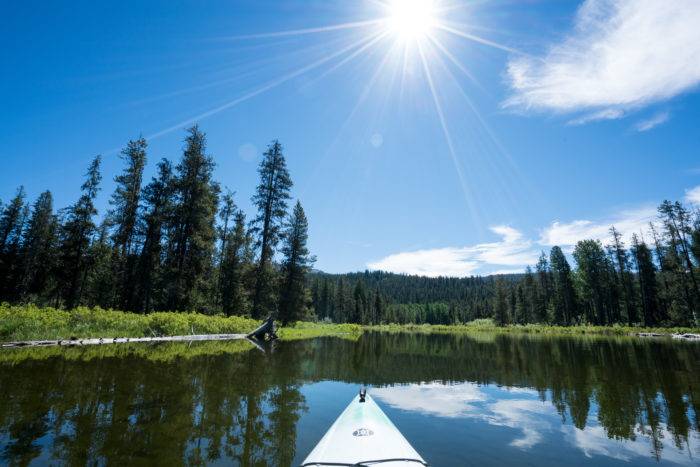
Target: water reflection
534	420
500	398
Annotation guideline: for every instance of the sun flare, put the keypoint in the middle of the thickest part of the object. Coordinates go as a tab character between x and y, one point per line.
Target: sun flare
411	19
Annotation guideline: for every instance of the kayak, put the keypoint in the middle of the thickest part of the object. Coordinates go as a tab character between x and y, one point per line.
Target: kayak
363	436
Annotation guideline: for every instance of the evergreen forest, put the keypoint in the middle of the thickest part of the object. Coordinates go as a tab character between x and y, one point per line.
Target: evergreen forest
179	242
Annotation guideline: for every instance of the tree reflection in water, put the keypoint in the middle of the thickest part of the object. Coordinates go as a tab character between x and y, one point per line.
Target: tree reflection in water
205	403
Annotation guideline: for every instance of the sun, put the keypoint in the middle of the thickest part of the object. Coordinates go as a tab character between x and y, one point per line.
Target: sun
411	20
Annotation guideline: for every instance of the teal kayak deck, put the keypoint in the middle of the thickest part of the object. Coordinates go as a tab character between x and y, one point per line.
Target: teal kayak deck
363	436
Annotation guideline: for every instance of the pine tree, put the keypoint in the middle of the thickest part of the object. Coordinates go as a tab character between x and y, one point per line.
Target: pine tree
379	311
593	280
234	268
624	277
500	303
359	296
613	290
564	293
512	302
100	281
545	288
676	222
153	227
11	227
342	311
194	234
10	221
520	305
270	199
531	295
226	215
76	233
661	262
39	250
123	218
324	306
646	274
297	263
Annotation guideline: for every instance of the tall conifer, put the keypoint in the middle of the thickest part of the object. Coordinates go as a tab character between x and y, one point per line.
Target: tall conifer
194	233
270	199
294	297
76	234
123	219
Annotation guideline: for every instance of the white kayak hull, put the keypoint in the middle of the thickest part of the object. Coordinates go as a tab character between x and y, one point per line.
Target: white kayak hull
363	435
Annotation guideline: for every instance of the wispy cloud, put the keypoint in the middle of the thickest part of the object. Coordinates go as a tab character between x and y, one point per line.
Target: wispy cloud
567	234
620	55
652	122
693	195
513	250
524	414
595	441
606	114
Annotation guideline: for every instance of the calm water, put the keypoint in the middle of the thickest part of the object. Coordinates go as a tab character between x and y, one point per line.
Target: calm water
486	400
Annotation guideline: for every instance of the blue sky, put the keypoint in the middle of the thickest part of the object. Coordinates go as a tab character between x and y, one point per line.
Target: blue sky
460	140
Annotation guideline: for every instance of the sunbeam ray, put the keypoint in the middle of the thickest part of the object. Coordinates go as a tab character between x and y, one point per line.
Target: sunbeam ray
448	138
477	39
268	86
370	42
302	32
361	99
454	60
510	169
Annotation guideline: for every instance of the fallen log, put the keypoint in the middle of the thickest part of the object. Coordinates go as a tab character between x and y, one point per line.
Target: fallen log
123	340
687	336
651	334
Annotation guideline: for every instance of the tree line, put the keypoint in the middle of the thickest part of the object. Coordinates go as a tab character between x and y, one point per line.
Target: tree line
652	282
178	242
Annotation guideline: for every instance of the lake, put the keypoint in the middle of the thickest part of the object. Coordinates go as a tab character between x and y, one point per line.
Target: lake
459	399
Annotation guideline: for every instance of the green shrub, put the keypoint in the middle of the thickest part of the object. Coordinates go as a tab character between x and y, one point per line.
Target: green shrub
28	322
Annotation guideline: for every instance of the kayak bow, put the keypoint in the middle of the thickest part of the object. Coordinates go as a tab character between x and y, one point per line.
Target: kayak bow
363	436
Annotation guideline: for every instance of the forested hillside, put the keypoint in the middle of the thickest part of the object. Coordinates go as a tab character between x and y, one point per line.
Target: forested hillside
650	284
178	242
375	296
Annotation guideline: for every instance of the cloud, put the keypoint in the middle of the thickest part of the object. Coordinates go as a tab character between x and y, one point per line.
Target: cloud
607	114
433	398
530	421
567	234
466	400
620	55
512	251
594	441
693	195
526	415
653	122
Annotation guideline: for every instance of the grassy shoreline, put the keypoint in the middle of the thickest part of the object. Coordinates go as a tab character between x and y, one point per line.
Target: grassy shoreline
28	322
486	325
